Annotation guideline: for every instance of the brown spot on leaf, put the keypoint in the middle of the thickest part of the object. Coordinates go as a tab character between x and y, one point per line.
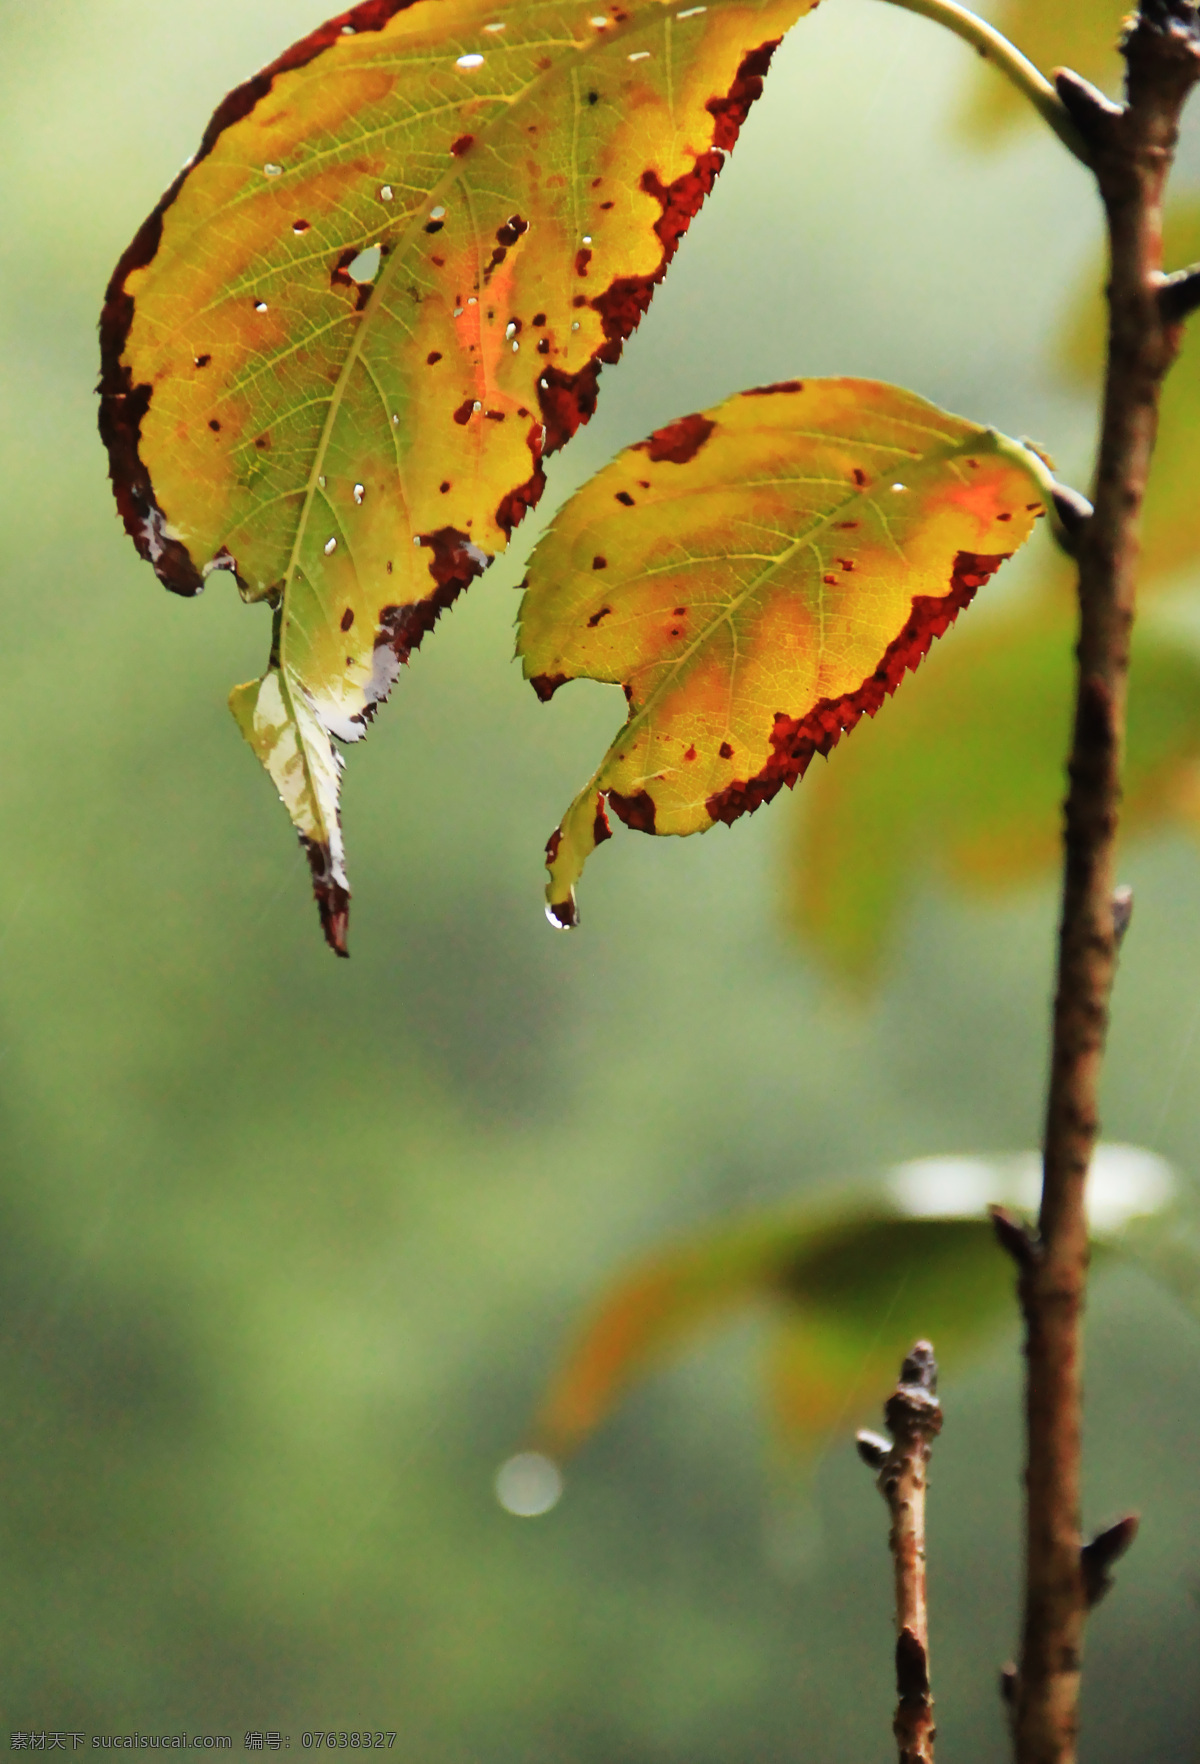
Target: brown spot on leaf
846	526
434	226
829	581
214	425
512	229
543	347
347	618
859	476
599	563
462	145
539	318
679	441
263	443
637	810
516	503
605	205
774	387
203	360
333	898
593	97
625	497
546	685
434	355
462	415
444	485
582	258
794	740
301	226
494	416
454	565
597	616
690	754
730	112
725	751
600	827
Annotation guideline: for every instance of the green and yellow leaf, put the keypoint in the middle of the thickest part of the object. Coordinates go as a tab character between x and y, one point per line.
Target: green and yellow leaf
337	353
758	577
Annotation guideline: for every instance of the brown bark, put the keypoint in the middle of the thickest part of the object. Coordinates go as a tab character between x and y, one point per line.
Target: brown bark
915	1419
1131	149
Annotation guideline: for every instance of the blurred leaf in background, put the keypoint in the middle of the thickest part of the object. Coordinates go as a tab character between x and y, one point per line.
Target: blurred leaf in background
847	1286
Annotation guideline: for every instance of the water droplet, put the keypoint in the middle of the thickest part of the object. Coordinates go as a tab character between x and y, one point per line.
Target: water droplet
469	61
348	31
477	405
395	420
587	238
543	383
574	324
330	547
458	311
321	482
359	493
416	538
386	193
260	306
471	300
300	226
691	12
599	23
529	1485
899	486
498	26
516	348
510	329
640	55
271	171
438	212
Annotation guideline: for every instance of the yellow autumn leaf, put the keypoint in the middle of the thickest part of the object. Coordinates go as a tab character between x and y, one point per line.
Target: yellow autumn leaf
757	577
337	353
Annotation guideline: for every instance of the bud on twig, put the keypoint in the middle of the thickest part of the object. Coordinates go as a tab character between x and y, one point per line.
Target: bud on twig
873	1448
1072	512
1122	911
1104	1551
1015	1236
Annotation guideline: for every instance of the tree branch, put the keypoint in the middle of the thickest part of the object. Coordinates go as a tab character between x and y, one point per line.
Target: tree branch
1131	153
915	1419
1007	58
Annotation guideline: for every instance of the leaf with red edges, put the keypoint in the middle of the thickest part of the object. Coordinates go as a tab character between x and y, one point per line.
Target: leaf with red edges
337	353
757	578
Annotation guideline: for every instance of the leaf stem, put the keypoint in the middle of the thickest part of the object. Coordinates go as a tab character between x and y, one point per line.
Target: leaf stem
1131	150
1029	81
914	1418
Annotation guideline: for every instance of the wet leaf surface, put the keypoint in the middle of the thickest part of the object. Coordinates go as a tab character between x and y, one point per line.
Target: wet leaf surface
758	577
337	353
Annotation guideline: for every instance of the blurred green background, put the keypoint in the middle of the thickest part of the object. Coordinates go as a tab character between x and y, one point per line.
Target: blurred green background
290	1245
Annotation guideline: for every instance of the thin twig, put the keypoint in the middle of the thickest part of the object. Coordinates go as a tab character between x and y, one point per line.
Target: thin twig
1131	151
1007	58
915	1419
